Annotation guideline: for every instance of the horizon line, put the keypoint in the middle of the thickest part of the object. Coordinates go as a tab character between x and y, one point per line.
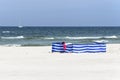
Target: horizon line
55	26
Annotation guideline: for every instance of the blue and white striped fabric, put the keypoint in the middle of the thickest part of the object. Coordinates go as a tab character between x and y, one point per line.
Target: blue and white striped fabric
89	48
79	48
69	48
57	47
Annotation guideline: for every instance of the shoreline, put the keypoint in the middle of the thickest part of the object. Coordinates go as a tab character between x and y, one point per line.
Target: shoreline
109	47
18	45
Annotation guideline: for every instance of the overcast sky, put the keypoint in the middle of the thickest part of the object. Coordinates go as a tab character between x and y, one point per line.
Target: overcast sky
60	12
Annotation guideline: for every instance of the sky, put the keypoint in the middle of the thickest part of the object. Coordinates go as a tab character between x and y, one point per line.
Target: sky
60	12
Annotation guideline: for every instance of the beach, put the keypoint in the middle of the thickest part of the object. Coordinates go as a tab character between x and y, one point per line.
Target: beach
38	63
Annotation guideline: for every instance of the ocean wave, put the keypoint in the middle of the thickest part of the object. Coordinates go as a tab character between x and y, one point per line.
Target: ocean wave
5	31
17	37
51	38
82	37
112	37
97	37
12	45
61	38
101	41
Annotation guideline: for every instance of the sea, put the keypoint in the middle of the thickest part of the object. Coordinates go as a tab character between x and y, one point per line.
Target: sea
45	36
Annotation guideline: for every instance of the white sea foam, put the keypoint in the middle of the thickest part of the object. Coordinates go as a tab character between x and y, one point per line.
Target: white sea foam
111	36
17	37
96	37
49	38
101	41
11	45
5	31
82	37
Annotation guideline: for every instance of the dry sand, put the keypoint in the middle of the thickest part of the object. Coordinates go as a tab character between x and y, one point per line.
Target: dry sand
37	63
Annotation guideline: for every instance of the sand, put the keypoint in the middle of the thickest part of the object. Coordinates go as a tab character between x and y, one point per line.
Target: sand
38	63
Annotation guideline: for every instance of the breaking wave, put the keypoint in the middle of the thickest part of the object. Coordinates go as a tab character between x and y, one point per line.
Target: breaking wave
17	37
60	38
51	38
99	37
101	41
110	37
12	45
76	38
82	37
5	31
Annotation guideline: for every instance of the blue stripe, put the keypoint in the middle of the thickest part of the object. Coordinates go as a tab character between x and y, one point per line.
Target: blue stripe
54	50
89	45
57	45
89	48
57	48
88	51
